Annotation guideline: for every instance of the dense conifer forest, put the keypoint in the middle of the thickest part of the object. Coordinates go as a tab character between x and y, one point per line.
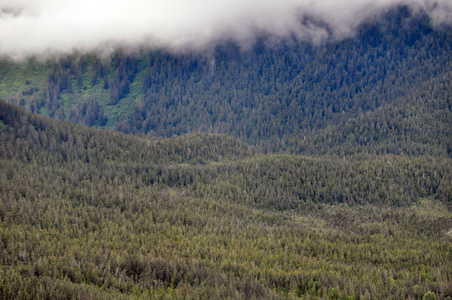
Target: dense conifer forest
286	170
383	90
92	214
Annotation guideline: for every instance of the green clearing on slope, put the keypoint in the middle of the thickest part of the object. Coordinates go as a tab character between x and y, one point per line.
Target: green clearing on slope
384	91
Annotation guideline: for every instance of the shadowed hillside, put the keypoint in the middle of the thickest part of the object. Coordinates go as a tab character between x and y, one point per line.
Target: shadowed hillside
384	90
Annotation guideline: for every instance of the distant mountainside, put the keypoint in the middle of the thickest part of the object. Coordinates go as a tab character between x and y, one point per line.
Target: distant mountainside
282	171
385	90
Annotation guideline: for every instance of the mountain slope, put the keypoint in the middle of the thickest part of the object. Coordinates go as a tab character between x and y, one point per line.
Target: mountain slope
282	171
269	96
417	123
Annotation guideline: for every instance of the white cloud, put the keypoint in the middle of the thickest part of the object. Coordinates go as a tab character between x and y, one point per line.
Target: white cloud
47	26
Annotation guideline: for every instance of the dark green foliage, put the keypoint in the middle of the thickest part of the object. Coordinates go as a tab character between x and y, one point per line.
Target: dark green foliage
120	86
89	214
98	70
382	91
92	214
290	182
288	98
30	91
88	113
125	70
14	285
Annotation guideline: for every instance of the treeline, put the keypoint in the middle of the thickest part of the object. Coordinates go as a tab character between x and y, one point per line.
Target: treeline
87	213
339	98
418	123
289	182
296	88
89	113
64	142
284	182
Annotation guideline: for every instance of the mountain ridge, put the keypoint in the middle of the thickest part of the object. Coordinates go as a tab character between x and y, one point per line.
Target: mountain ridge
288	171
267	96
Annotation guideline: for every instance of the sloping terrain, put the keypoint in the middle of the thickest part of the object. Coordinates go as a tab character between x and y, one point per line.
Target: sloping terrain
281	171
384	90
96	214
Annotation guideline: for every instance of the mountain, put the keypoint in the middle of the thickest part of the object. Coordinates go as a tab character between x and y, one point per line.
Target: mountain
383	90
281	171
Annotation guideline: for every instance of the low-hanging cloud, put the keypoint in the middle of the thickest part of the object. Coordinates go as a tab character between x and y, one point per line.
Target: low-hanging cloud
37	27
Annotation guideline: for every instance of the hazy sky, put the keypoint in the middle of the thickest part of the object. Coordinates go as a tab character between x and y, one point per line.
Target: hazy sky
59	26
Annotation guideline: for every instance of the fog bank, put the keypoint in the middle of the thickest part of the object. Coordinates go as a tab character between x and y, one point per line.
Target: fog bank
40	27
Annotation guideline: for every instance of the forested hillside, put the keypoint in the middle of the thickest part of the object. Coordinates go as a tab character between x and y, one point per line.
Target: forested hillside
96	214
283	169
383	90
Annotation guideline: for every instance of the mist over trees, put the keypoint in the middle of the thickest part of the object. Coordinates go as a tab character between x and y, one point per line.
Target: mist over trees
286	169
359	94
